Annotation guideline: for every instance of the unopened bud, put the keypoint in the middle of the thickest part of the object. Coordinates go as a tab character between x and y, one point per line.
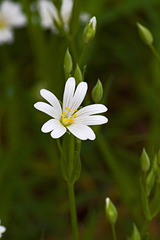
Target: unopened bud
97	92
135	234
111	211
150	182
90	30
145	34
68	63
156	167
145	162
78	74
158	157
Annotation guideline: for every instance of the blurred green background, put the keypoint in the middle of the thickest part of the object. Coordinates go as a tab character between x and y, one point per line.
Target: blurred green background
33	196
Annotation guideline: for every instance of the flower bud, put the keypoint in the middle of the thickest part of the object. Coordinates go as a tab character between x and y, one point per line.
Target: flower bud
135	234
68	63
90	30
145	162
97	92
158	157
145	34
111	211
78	74
156	168
150	182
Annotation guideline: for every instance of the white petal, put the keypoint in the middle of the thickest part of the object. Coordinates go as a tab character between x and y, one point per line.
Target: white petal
51	98
2	229
6	35
46	108
81	131
78	96
49	125
66	10
48	13
92	109
91	120
13	13
68	92
58	131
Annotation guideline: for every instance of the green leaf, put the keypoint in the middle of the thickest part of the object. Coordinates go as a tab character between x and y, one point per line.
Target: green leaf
135	234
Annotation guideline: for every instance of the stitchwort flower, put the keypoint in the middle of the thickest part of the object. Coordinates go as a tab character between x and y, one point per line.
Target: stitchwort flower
48	13
11	17
70	116
2	230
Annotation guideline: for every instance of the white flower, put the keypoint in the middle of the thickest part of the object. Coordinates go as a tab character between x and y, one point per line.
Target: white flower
48	13
2	230
11	17
69	117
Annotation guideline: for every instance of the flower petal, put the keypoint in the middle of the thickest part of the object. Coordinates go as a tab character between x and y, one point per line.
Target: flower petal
78	96
13	13
66	10
68	92
51	98
48	12
91	120
6	35
49	125
58	131
46	108
2	229
92	109
81	131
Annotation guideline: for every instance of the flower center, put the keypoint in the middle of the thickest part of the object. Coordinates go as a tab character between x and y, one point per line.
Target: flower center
66	118
2	23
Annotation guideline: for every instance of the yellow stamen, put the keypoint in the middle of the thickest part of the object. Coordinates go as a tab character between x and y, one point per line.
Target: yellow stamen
71	120
62	115
75	115
75	109
66	107
69	110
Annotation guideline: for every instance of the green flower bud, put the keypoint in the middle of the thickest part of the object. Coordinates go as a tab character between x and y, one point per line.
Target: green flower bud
78	74
135	234
158	157
156	168
150	182
97	92
145	34
90	30
111	211
68	63
145	162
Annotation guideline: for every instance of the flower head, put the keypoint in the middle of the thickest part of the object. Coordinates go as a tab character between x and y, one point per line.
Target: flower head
11	17
49	13
70	117
2	230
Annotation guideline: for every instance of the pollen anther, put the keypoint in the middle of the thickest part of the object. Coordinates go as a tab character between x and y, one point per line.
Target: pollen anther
75	115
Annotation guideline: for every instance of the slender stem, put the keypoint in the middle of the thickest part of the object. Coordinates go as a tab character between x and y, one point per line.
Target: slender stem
82	53
114	232
145	228
73	213
155	52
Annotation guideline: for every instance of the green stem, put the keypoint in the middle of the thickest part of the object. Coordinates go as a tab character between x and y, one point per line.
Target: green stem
114	232
145	228
82	53
155	52
73	213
